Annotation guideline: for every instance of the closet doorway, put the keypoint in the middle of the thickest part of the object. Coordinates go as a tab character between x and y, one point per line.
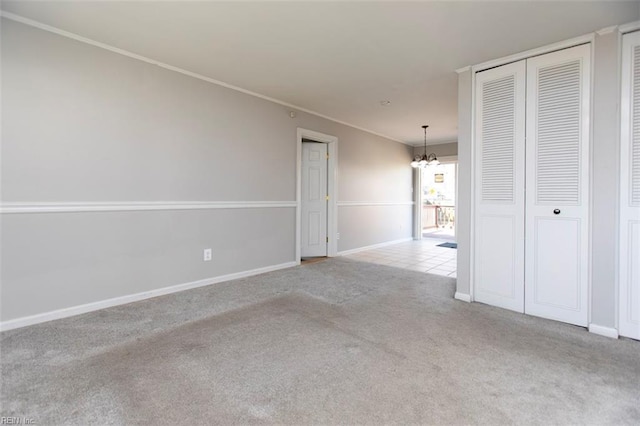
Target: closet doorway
531	235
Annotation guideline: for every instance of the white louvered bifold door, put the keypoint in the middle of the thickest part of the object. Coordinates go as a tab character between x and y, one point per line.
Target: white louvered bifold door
499	191
629	309
557	183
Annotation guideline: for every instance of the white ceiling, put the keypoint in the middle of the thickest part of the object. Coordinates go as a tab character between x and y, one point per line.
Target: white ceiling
339	59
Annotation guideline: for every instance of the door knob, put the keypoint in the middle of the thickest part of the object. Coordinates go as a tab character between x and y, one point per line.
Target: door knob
556	211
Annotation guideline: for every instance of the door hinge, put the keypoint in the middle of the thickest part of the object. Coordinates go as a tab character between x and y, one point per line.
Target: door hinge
327	198
327	239
327	155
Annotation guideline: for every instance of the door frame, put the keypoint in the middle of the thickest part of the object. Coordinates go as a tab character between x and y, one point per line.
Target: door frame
419	198
332	188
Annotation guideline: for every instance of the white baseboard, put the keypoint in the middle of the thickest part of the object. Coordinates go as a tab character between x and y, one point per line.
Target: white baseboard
374	246
122	300
603	331
462	296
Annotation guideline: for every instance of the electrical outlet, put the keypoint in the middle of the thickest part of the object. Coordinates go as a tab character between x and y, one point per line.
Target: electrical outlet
338	236
207	255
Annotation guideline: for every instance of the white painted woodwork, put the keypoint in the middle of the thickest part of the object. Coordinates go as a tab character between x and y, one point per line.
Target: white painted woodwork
557	185
499	221
314	199
123	206
531	240
629	274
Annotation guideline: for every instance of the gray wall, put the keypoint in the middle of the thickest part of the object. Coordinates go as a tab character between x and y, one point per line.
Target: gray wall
605	179
441	150
605	174
82	124
465	186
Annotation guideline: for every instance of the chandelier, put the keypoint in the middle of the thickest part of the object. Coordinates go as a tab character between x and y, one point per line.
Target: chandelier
425	160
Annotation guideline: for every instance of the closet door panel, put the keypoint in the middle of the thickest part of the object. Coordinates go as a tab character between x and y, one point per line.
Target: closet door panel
629	307
557	182
499	192
562	235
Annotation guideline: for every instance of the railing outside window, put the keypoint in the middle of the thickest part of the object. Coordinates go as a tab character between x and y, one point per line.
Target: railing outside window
434	216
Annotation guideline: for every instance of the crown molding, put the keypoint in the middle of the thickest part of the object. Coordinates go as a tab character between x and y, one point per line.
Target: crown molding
576	41
629	27
607	30
77	37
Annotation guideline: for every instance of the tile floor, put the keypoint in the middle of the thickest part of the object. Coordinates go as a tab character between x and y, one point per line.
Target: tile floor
423	256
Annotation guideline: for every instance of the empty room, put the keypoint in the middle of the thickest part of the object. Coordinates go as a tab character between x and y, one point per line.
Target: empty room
319	213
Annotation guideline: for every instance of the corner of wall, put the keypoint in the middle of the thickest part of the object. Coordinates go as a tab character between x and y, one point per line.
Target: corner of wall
465	185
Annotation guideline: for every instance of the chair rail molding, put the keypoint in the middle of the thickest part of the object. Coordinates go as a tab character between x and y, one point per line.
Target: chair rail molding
374	203
118	206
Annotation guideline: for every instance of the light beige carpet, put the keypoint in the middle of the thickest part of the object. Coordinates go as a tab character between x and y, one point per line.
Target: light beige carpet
335	342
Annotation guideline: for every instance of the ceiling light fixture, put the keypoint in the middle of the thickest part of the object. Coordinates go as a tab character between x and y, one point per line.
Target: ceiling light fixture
425	160
385	103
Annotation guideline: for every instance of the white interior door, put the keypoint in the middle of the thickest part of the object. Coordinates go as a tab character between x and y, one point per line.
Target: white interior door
314	200
557	182
629	309
499	221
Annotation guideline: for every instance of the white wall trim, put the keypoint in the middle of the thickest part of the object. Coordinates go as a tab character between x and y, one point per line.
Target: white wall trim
607	30
472	201
119	206
463	69
587	38
603	331
374	246
374	203
462	296
332	189
630	27
417	204
122	300
61	32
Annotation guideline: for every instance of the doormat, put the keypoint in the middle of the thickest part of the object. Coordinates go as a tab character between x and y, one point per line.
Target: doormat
449	245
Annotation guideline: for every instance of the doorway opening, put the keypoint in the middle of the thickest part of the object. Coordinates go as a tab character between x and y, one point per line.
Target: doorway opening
438	201
316	212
